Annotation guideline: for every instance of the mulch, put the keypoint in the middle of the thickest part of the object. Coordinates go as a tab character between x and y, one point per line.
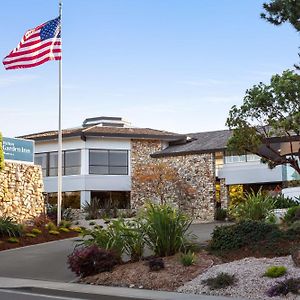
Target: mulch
138	275
44	237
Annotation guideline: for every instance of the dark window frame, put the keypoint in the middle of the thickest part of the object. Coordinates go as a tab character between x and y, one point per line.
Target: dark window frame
63	162
108	162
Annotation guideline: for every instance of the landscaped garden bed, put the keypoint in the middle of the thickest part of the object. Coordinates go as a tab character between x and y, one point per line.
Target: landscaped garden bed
44	237
138	274
41	230
250	280
155	251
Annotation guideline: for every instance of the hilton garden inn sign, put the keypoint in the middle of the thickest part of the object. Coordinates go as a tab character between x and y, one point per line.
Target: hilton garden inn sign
18	150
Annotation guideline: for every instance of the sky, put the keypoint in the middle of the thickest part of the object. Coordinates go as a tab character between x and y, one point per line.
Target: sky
176	65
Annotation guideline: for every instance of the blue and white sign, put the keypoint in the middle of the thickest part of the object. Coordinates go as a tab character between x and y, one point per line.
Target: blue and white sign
18	149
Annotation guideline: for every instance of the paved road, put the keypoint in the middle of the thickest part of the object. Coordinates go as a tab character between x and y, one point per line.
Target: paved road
44	261
15	294
48	261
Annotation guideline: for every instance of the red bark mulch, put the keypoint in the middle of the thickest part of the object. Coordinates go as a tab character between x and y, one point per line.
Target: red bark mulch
138	275
44	237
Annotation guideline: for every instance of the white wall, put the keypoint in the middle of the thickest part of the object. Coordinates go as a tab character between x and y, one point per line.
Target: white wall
249	173
85	182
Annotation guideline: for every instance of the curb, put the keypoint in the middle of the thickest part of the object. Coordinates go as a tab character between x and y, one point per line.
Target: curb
48	287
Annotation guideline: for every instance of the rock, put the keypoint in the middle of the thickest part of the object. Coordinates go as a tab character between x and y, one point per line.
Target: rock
21	191
296	257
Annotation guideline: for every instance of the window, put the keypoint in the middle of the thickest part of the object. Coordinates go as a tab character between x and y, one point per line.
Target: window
41	159
234	158
108	162
71	162
111	200
69	199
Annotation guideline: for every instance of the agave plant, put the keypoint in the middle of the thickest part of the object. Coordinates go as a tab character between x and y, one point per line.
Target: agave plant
9	228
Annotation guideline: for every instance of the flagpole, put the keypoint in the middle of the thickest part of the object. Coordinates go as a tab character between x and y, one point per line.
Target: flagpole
59	161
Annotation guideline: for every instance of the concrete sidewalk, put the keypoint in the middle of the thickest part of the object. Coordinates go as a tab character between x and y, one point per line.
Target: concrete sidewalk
95	292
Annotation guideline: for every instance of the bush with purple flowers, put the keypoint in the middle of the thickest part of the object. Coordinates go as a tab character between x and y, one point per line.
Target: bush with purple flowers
91	260
291	285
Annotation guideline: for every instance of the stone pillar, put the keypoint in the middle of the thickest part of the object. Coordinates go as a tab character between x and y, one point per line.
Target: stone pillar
224	193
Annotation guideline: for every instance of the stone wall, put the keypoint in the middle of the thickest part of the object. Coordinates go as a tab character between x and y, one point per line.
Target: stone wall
224	193
197	171
21	191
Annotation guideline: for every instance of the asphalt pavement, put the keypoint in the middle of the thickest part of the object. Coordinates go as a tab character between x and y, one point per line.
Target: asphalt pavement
48	261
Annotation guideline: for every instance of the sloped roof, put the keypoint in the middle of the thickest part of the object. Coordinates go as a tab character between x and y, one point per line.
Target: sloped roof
83	132
201	142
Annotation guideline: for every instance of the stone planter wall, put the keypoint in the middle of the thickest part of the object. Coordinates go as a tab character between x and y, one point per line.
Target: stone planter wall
21	192
196	170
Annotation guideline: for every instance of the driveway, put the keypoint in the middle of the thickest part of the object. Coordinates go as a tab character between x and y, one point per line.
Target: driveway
44	261
203	231
48	261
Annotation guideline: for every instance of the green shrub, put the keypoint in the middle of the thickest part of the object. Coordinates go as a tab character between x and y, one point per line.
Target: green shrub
271	219
165	229
275	271
65	224
13	240
36	231
76	229
110	238
120	236
291	285
92	209
54	232
292	215
221	281
295	227
51	226
245	233
220	214
63	229
31	235
188	259
9	228
256	207
284	202
68	214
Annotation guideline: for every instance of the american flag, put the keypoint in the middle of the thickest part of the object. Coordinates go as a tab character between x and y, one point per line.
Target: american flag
37	46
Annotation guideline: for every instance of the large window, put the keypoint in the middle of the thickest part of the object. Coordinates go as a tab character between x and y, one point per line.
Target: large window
69	199
71	162
108	162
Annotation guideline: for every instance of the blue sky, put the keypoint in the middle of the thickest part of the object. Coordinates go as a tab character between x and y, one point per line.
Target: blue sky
177	65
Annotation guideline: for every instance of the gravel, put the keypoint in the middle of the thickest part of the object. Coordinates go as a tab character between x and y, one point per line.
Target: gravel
251	284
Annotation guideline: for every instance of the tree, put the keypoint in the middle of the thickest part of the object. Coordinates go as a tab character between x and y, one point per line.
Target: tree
269	115
278	12
161	180
1	153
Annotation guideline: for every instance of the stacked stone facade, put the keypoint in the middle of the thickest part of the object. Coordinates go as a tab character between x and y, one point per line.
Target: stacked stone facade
224	193
197	171
21	192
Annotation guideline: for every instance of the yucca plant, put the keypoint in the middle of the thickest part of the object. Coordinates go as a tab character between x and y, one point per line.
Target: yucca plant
165	229
256	207
9	228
